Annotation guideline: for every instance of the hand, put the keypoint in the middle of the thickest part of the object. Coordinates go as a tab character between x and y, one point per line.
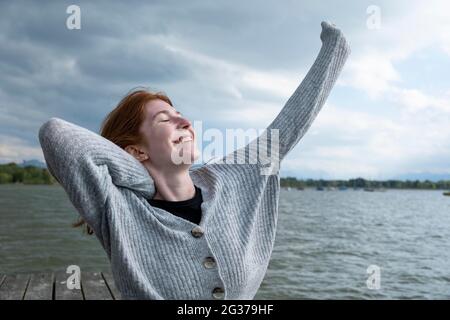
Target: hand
329	32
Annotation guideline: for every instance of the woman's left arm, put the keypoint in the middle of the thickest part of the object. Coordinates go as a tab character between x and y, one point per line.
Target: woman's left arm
303	106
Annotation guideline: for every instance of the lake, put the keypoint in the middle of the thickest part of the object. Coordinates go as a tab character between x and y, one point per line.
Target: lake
325	242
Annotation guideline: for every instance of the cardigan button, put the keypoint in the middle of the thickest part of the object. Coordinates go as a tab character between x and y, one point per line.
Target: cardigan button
209	262
218	293
197	232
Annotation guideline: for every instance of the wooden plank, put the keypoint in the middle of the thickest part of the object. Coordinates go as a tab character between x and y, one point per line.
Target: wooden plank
61	290
47	286
40	287
14	287
94	286
111	285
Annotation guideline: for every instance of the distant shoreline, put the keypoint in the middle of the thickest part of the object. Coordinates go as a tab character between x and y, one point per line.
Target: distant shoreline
361	183
12	173
281	187
358	189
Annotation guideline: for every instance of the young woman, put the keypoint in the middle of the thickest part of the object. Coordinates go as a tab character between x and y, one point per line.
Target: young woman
170	231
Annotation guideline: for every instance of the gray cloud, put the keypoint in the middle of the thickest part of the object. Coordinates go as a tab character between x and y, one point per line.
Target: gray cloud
47	70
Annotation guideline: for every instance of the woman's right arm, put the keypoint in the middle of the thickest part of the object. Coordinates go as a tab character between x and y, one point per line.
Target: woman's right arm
87	165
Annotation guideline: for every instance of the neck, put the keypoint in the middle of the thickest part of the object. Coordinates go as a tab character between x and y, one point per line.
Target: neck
173	184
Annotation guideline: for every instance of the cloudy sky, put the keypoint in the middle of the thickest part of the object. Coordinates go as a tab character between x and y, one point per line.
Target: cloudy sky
234	64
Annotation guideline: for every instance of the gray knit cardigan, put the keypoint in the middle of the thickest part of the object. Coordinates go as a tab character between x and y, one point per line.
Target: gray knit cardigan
157	255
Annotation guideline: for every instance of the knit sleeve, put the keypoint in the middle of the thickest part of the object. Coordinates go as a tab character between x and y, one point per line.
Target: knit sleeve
302	107
88	165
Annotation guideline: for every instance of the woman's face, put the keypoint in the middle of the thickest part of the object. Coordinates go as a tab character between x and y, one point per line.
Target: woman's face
168	138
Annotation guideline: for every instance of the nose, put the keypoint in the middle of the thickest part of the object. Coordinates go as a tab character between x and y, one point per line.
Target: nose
183	123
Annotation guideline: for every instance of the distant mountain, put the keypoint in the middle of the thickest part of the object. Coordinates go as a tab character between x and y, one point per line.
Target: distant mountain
33	162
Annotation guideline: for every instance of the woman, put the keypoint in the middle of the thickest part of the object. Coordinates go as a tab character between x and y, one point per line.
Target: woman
131	191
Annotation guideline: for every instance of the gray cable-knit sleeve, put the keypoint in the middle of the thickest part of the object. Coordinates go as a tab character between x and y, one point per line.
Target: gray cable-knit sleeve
87	166
302	107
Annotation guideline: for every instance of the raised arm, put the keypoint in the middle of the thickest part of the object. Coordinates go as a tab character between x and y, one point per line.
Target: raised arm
305	103
303	106
88	165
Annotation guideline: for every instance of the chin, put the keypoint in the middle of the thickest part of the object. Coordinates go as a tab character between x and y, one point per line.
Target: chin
194	156
182	158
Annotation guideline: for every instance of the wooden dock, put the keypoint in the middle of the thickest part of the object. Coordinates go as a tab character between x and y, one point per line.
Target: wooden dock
53	286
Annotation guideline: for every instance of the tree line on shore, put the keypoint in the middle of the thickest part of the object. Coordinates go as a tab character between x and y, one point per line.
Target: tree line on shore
292	182
13	173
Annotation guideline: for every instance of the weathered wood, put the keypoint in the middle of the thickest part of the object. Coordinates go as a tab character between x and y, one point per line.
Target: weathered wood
111	285
40	287
94	286
61	290
14	287
48	286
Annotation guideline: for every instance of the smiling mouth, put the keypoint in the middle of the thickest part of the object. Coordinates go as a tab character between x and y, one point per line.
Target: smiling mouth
183	139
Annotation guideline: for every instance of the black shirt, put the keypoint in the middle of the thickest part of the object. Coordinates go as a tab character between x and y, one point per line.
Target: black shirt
187	209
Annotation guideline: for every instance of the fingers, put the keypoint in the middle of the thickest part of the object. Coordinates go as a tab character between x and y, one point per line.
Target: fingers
326	24
329	31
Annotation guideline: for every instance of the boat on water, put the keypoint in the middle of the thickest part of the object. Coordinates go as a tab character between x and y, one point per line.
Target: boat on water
292	188
447	193
369	189
319	189
342	188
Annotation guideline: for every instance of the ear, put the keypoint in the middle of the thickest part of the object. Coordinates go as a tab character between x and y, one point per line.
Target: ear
136	152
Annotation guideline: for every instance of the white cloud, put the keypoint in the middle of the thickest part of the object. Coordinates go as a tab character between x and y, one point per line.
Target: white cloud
418	26
415	100
13	149
279	84
252	112
346	144
257	95
235	76
373	73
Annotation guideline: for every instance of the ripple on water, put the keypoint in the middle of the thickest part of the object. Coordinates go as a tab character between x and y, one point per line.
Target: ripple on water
324	244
